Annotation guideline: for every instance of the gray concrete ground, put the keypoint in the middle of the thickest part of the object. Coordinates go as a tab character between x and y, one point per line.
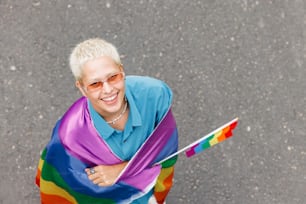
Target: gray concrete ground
223	59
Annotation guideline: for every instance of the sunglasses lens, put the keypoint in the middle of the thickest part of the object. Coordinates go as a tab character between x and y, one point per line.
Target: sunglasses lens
94	86
110	80
115	78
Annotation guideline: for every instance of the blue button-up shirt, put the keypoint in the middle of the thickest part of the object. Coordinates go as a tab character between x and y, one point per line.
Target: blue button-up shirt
148	100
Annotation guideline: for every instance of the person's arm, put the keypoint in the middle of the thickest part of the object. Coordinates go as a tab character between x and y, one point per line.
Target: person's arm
164	180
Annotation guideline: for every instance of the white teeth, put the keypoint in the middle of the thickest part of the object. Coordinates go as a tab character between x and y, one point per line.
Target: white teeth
110	98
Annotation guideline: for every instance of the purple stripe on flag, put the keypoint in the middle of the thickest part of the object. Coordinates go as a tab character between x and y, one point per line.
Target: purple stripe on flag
190	151
76	124
156	142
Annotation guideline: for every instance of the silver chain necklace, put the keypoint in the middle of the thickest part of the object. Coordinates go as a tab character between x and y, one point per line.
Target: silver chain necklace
121	114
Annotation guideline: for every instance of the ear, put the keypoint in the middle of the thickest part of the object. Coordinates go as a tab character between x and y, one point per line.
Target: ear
80	87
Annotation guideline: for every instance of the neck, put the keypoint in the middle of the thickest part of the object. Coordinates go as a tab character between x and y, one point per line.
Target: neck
120	115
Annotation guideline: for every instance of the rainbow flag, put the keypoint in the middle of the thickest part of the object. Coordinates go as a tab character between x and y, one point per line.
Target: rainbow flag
218	135
75	145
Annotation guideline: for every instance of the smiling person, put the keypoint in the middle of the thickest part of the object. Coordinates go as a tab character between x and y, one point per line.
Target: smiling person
106	148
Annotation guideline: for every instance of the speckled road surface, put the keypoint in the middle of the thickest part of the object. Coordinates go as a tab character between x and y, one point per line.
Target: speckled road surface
223	59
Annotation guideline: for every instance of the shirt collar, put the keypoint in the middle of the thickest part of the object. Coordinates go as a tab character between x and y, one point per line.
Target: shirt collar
134	112
103	128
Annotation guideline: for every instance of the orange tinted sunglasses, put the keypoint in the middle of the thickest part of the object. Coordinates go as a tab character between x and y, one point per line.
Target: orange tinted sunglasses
113	79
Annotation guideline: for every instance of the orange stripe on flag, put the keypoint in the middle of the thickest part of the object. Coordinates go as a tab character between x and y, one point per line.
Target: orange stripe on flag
53	199
167	183
37	178
222	137
50	188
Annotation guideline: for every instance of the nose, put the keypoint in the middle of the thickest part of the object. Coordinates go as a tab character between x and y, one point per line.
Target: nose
107	88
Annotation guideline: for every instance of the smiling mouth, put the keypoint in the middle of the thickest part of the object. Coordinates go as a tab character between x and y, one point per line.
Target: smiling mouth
110	98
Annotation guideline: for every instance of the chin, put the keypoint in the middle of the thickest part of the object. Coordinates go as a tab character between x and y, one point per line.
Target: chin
112	108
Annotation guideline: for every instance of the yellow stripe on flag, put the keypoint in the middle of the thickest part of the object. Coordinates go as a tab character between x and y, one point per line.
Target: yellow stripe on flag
164	174
214	140
50	188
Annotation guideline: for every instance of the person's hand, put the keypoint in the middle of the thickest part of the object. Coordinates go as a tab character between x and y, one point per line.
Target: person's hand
103	175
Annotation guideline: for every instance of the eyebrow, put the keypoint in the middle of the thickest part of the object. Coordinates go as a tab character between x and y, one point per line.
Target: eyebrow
90	81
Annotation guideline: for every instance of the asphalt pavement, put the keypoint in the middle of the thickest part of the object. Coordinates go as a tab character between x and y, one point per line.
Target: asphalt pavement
222	59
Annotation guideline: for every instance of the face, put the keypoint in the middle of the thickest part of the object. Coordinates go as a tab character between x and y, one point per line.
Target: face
107	100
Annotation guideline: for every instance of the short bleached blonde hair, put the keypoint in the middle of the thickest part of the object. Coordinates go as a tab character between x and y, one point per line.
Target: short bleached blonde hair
88	50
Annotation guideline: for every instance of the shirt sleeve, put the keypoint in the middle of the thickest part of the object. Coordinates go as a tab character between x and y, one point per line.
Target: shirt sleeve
164	101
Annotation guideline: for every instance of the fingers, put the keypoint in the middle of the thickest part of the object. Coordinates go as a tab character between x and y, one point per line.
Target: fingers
91	171
94	175
97	177
103	183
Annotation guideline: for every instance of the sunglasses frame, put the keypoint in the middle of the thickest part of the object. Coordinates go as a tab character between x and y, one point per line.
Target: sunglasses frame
99	87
